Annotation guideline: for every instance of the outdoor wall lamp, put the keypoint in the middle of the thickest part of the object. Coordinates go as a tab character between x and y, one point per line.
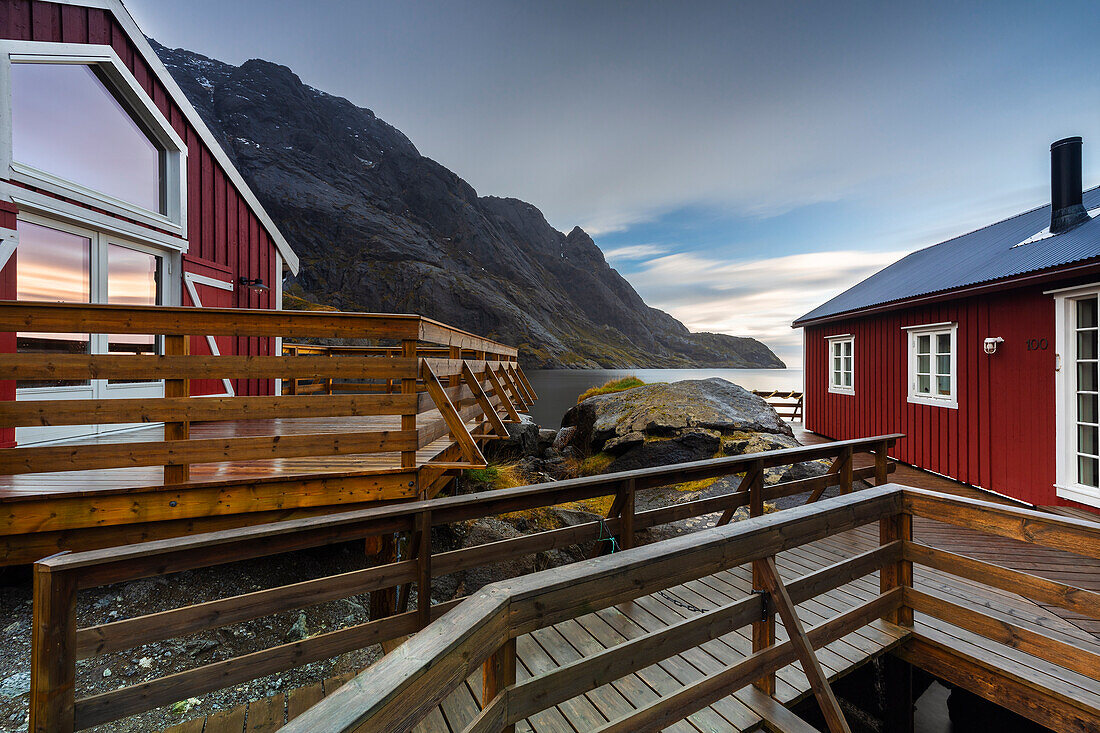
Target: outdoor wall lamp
254	284
991	344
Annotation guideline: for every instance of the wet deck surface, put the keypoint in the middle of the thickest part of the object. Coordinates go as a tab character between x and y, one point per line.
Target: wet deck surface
120	479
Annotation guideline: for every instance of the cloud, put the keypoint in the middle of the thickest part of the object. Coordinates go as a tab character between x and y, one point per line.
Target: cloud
758	298
635	252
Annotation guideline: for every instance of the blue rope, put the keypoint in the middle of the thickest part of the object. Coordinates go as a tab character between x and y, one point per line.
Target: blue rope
609	538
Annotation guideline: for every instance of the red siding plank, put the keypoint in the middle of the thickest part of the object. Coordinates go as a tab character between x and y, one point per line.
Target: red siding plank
74	24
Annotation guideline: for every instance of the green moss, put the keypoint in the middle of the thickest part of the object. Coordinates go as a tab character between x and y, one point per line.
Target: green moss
594	464
495	476
614	385
690	486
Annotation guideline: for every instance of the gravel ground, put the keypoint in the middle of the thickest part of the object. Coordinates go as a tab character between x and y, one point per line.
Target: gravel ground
121	669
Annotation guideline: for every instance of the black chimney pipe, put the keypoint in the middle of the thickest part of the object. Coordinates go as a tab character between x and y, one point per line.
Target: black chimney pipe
1066	209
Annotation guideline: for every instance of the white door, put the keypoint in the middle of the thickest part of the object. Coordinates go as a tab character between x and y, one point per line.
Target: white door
61	263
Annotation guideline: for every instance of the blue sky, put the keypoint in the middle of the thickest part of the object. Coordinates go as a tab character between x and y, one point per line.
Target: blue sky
738	162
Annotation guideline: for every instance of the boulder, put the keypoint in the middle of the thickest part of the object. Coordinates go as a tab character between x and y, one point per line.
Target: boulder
663	410
522	440
691	445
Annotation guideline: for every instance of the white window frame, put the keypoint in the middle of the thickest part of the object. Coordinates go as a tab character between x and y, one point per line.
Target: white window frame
99	388
932	330
833	342
1066	485
143	223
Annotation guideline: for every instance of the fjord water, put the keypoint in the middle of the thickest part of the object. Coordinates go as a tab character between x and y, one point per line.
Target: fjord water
558	388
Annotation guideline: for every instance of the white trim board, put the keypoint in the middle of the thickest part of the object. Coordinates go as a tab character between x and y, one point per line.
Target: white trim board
141	43
190	280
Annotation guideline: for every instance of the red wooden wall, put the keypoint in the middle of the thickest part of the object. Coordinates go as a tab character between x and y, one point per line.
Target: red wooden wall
1001	437
222	230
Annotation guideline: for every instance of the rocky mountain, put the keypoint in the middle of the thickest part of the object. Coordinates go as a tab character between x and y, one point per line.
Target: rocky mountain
379	227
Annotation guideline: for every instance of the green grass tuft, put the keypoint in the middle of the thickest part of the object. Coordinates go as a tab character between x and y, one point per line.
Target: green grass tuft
614	385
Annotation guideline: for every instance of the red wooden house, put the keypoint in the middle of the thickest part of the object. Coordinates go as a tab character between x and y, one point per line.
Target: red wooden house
982	349
112	190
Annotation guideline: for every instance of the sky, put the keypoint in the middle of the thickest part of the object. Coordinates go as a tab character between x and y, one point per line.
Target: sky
738	163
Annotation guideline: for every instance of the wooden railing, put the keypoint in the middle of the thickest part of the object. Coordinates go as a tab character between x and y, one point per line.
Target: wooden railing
58	644
788	404
490	367
399	690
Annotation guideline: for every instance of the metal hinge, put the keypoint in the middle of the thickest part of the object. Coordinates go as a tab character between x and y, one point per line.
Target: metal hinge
765	604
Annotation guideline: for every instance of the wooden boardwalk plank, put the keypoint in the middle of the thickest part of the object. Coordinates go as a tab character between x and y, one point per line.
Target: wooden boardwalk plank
227	721
303	698
267	715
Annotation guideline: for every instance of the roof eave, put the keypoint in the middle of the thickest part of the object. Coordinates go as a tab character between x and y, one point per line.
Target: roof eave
122	14
1082	268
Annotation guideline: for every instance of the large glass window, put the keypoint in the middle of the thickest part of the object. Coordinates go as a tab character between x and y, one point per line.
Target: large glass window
54	266
62	264
932	365
1087	420
66	122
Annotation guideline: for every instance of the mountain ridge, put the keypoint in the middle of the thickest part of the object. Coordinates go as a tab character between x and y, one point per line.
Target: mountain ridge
380	227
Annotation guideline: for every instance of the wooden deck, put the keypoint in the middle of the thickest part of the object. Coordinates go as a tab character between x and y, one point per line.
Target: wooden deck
888	570
356	425
552	647
121	480
562	643
748	710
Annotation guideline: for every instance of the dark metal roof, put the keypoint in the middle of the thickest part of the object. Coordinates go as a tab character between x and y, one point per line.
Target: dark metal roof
984	255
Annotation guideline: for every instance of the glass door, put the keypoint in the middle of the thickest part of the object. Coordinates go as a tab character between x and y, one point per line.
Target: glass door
56	262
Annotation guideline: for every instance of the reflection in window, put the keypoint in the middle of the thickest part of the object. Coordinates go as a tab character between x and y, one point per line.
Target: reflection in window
67	123
54	266
132	279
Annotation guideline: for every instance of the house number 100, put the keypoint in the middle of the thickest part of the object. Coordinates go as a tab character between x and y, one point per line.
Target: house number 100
1037	344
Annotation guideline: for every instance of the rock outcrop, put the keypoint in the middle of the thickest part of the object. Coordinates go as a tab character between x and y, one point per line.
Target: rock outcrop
662	424
379	227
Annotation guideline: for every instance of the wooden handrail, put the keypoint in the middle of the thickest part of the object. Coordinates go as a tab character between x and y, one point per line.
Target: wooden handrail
383	695
178	320
66	573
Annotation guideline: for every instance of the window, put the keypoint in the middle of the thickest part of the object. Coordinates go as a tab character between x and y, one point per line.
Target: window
841	361
60	263
66	122
932	365
89	144
1086	422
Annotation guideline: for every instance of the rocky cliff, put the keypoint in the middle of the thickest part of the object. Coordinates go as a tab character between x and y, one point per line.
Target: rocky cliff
379	227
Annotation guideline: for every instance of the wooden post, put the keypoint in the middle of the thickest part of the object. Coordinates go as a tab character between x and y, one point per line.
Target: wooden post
408	386
819	683
882	463
846	471
455	379
499	673
763	631
53	652
292	383
384	600
176	345
897	527
328	380
424	568
626	516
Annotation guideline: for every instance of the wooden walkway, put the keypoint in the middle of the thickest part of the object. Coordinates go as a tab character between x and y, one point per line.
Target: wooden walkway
745	710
